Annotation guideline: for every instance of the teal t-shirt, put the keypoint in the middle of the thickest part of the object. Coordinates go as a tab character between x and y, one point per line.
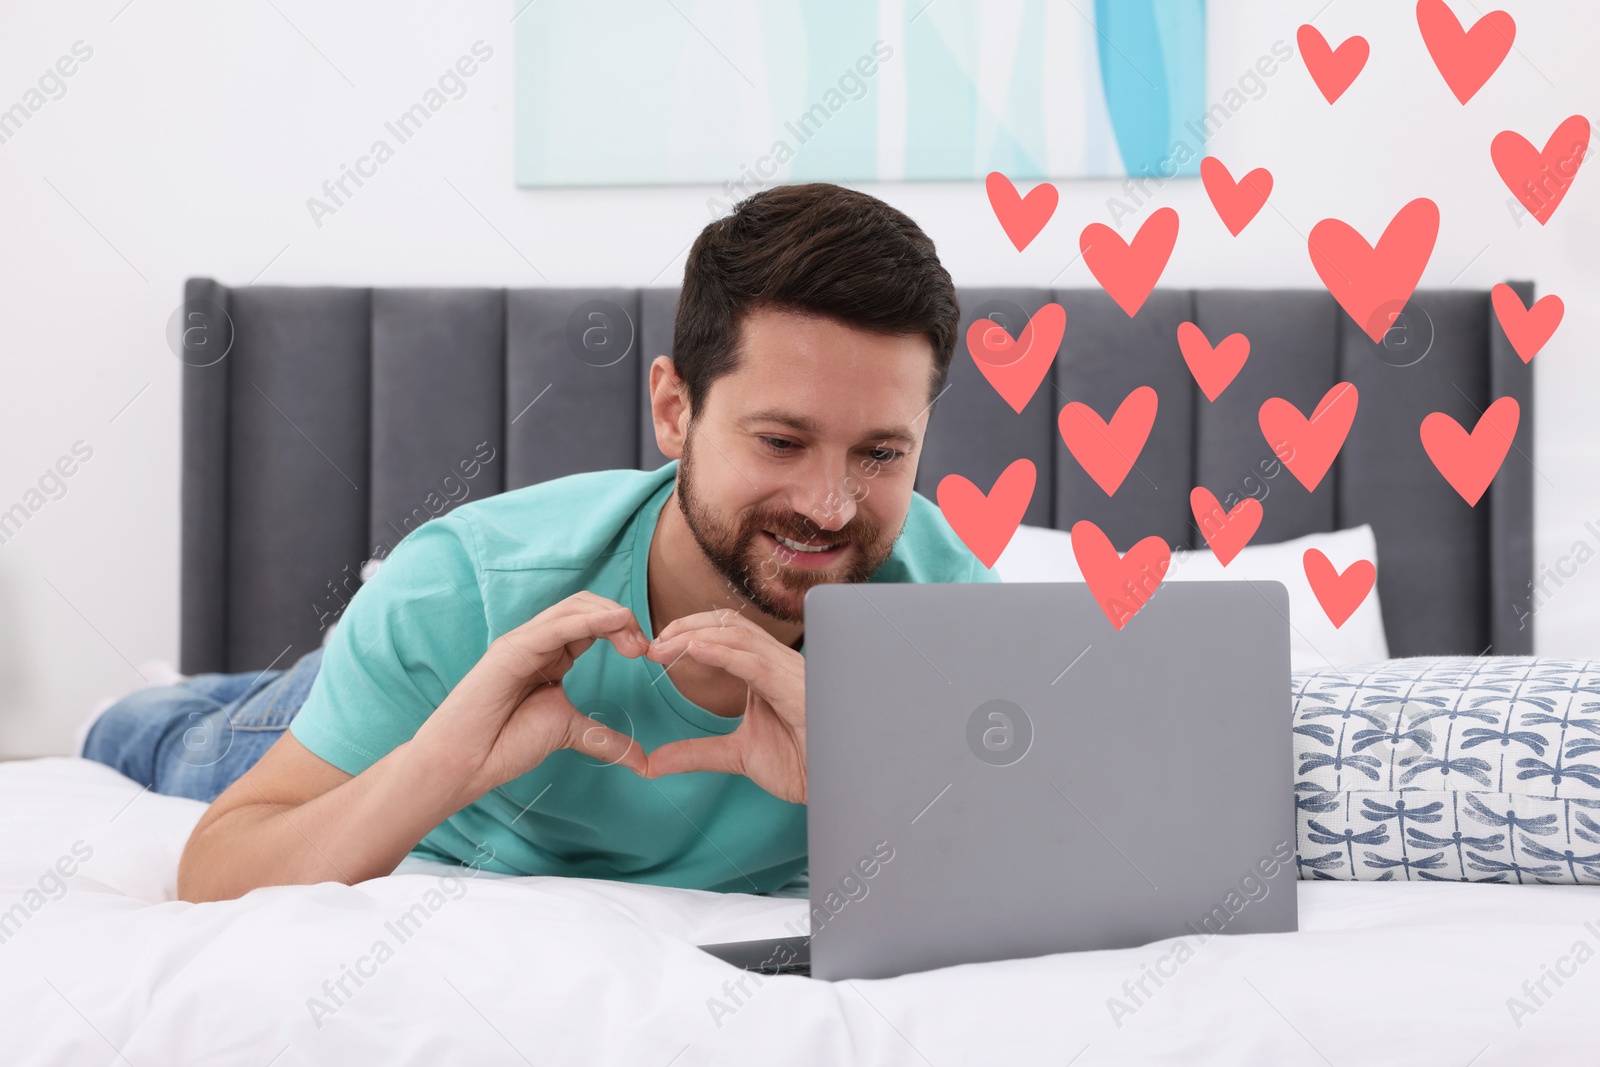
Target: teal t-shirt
459	581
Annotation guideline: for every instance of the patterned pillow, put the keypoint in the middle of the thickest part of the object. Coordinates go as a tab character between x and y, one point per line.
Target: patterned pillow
1448	768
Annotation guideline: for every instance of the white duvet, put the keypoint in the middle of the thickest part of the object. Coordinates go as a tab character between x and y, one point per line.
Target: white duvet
99	964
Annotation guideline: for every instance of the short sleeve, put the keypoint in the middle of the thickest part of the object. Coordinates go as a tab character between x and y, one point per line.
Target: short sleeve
980	573
405	639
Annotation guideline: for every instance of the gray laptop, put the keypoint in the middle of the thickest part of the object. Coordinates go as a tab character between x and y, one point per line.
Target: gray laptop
996	772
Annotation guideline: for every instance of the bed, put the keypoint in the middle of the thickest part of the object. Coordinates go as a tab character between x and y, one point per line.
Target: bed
106	967
321	424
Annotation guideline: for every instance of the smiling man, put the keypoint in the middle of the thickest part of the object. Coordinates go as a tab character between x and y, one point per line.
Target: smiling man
601	675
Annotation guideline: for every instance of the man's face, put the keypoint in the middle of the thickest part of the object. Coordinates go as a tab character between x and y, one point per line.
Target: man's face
798	469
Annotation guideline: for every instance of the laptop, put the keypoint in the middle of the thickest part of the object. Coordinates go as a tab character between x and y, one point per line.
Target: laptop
996	772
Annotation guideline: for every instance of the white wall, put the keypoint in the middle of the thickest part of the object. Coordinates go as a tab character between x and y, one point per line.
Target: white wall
189	143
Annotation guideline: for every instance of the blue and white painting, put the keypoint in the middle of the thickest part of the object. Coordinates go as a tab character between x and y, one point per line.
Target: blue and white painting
749	93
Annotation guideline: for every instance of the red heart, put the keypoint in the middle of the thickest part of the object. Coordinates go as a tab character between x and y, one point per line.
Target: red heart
1236	202
1129	272
1526	328
1016	367
1225	531
1466	58
1022	217
986	524
1373	284
1308	446
1120	584
1213	368
1332	69
1108	453
1470	462
1339	594
1540	179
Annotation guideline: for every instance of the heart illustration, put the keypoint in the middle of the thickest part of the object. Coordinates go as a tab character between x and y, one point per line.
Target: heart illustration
1120	584
1129	272
1339	594
1236	202
1373	284
1022	217
1213	367
1332	69
1108	452
1466	58
1469	462
1308	446
986	523
1526	328
1225	531
1540	179
1015	367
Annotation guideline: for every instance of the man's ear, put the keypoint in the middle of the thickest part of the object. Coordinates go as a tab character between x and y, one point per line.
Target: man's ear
669	407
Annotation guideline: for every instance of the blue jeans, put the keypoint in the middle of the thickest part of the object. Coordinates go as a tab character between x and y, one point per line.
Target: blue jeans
194	739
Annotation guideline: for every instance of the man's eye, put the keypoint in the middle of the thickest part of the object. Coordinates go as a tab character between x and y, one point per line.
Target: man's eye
779	444
885	455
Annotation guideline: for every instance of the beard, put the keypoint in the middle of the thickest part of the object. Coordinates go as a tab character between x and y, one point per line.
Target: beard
761	575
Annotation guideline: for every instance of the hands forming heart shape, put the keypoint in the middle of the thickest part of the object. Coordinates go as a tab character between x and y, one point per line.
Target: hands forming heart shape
510	712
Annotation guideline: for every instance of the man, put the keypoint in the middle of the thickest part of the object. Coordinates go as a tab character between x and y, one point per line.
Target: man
602	675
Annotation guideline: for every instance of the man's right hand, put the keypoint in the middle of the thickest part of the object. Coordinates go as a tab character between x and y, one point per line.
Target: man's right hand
510	712
294	818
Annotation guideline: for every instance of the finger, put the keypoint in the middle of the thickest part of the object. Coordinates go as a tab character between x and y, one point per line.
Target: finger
546	634
750	637
601	603
721	753
719	618
569	608
620	627
753	640
628	637
753	669
603	743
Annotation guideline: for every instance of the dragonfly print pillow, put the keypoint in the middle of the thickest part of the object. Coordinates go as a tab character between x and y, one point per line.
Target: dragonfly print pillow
1447	768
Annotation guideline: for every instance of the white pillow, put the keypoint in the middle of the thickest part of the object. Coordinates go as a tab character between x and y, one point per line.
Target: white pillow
1036	554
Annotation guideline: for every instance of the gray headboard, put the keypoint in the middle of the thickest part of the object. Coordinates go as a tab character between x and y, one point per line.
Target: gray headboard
323	423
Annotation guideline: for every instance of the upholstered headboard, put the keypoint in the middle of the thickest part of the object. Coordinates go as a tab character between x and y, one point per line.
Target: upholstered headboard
321	424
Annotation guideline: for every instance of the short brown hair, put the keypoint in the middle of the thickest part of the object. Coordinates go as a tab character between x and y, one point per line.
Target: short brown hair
818	249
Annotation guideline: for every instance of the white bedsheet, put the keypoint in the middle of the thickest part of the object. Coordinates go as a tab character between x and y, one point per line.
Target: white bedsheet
558	971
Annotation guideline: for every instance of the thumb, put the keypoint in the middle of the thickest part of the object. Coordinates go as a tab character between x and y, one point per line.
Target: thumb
595	739
720	753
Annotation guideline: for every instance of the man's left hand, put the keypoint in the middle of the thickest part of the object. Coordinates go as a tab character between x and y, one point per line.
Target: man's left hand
769	744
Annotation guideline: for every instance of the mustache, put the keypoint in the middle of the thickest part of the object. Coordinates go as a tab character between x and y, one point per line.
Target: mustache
798	528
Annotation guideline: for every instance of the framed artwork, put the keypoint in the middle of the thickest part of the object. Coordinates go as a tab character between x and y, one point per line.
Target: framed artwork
660	92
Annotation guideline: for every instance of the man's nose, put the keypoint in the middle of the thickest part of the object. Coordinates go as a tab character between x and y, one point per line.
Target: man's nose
826	498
